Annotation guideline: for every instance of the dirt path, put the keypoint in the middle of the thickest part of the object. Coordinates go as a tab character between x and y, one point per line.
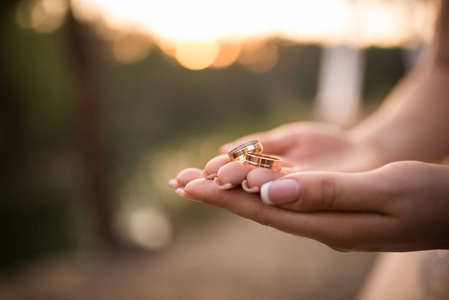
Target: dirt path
233	259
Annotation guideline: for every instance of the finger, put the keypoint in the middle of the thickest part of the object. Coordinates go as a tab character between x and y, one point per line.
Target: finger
212	167
327	191
237	172
184	177
236	200
231	174
344	231
277	142
181	190
258	176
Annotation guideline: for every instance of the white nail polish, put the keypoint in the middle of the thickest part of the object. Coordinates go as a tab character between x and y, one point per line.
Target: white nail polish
180	191
264	193
208	176
225	186
248	189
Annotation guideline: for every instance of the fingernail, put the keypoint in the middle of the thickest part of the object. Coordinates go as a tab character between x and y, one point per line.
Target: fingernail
180	191
280	191
225	186
208	176
247	188
173	183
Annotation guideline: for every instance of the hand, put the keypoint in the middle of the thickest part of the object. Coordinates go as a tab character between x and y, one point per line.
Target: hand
314	146
302	146
402	206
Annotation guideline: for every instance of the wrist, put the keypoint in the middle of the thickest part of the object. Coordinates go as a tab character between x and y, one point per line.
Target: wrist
376	156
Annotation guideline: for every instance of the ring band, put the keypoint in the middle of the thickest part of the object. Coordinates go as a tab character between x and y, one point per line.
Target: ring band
253	146
263	161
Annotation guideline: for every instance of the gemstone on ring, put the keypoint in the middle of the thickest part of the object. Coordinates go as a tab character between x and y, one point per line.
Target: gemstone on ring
253	146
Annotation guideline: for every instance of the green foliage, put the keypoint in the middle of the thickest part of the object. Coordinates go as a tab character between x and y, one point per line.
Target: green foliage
35	220
35	206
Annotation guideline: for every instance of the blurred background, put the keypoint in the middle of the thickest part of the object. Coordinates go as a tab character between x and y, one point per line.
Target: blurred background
102	102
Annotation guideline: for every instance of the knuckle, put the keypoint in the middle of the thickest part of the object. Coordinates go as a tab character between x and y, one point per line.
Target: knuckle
329	188
326	194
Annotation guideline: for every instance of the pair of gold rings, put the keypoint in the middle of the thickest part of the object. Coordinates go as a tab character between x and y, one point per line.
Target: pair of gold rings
251	154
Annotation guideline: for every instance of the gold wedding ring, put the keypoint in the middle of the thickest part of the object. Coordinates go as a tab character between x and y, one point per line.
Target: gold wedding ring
253	146
263	161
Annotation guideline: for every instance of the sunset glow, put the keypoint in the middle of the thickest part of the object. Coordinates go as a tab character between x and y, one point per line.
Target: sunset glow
373	21
179	23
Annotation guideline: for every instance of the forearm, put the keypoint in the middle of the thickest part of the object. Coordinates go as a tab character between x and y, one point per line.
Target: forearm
413	124
414	121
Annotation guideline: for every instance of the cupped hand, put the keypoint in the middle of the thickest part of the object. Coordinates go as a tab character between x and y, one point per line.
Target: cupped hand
402	206
314	146
302	146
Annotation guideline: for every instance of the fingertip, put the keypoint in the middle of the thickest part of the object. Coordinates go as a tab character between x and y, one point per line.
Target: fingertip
234	172
185	176
180	191
215	164
226	186
225	148
188	191
173	183
248	189
259	176
209	176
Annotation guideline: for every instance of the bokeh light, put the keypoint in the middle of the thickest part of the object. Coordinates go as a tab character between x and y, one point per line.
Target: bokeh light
131	48
259	56
228	54
43	16
197	55
147	227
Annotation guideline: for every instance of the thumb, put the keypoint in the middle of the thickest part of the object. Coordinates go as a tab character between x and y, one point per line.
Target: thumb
324	191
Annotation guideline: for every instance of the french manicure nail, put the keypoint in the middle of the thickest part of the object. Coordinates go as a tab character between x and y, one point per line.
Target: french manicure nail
247	188
280	191
180	191
225	186
208	176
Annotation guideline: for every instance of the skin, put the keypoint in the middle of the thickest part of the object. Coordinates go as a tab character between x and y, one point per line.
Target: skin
376	187
400	207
